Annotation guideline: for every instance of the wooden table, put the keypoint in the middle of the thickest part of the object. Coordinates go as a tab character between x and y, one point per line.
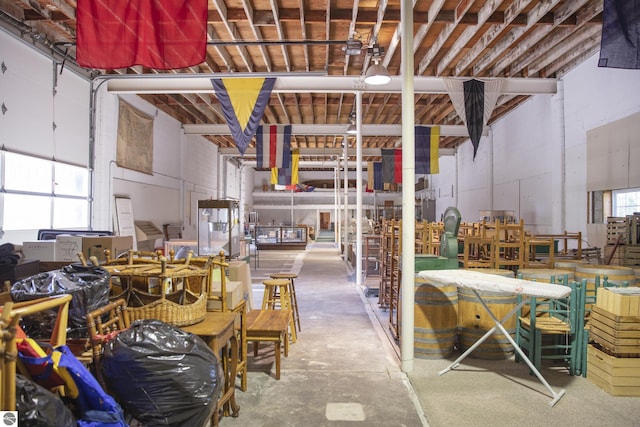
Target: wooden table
218	330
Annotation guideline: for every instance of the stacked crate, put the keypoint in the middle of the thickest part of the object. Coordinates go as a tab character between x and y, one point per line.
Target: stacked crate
623	240
613	354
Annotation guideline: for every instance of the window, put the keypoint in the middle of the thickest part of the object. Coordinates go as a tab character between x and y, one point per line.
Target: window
626	202
39	193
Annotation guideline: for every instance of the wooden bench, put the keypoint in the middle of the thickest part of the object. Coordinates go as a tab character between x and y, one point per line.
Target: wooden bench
269	325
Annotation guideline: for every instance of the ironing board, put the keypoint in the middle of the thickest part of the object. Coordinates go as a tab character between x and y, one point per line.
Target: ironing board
477	282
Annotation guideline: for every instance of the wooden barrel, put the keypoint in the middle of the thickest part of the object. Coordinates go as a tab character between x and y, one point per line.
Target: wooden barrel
435	320
474	321
616	274
636	272
568	264
545	274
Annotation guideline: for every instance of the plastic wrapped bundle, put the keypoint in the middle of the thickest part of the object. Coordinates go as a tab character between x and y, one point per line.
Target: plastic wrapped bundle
162	375
89	289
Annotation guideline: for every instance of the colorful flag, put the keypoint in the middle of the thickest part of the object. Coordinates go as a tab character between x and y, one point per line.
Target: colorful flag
243	101
427	140
287	176
474	110
370	176
273	146
474	101
378	183
163	34
620	42
388	165
397	166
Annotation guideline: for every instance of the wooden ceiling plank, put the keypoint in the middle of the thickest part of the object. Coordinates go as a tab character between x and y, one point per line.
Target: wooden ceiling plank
281	35
221	7
222	52
528	50
303	32
352	31
443	37
496	31
483	15
257	34
573	43
420	34
564	11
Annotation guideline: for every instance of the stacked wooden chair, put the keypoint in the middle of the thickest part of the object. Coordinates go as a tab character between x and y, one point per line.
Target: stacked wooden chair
553	329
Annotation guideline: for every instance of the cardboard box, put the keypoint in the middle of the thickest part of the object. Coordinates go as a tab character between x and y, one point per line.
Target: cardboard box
235	295
95	246
43	250
67	248
619	376
240	271
619	301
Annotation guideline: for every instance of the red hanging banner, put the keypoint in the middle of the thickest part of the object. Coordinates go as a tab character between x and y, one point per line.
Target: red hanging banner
162	34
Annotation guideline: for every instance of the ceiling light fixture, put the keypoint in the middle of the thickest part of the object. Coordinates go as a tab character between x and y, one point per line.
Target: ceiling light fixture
352	129
377	74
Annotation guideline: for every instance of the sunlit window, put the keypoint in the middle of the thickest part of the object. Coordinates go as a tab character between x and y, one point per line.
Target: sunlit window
41	193
626	202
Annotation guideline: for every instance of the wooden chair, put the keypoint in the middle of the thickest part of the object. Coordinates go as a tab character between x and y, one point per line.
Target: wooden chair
531	258
553	329
8	356
217	274
509	245
14	313
478	252
102	323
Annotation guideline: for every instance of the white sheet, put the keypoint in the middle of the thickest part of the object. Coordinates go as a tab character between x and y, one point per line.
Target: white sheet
494	283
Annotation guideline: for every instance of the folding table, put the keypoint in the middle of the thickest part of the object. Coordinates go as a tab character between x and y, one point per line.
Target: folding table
477	281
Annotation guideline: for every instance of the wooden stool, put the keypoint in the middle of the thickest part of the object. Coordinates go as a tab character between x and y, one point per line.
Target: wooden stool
276	293
292	291
269	325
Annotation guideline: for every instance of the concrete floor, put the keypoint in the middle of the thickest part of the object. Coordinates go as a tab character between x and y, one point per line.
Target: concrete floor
345	369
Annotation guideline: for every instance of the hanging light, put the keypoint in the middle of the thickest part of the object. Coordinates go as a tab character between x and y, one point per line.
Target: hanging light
377	74
352	129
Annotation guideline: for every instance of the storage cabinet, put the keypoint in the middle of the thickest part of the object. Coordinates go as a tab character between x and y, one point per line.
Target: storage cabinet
281	237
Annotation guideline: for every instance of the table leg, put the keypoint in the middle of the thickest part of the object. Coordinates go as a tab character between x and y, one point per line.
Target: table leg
230	407
498	325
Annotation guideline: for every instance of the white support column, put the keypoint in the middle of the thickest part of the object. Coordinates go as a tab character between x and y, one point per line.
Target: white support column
336	201
408	194
345	234
359	189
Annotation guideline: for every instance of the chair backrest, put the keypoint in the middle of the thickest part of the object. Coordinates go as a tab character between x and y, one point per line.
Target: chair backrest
217	269
569	310
105	321
12	313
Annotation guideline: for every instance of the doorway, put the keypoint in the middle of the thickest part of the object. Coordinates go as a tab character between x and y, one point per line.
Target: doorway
325	219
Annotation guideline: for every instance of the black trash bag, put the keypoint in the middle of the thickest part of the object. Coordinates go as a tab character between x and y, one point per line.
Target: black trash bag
89	290
38	407
161	374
